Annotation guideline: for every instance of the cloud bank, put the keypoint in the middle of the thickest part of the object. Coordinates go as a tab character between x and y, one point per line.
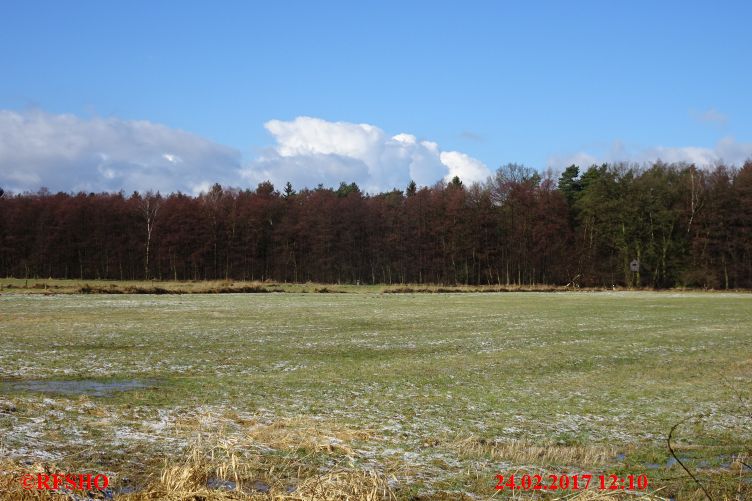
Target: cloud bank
310	150
69	153
727	150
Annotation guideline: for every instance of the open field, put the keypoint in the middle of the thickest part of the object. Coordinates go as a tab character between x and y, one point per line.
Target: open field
372	395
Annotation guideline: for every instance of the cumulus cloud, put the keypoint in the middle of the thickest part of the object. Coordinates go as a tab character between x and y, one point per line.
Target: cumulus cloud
727	150
310	150
463	166
69	153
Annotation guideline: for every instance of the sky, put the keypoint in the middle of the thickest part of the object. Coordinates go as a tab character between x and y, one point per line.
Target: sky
170	96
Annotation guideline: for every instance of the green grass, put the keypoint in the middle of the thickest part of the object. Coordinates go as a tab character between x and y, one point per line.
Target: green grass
450	388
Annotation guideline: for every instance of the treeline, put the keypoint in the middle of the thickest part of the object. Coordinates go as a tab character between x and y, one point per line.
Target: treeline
686	226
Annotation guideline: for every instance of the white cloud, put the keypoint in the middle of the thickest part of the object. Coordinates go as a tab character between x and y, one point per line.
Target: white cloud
727	150
69	153
465	167
405	138
173	159
310	150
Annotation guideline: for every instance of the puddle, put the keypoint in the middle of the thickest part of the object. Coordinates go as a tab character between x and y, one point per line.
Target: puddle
229	485
671	462
89	387
259	486
220	484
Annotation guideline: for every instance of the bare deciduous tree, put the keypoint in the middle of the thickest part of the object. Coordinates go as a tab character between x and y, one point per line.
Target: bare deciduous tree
149	208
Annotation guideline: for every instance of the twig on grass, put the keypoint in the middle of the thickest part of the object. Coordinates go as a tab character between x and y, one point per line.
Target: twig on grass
671	450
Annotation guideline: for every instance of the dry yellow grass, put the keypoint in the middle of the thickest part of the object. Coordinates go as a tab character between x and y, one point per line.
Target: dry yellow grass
11	488
273	460
277	460
262	476
75	286
610	496
248	478
306	434
525	452
186	480
344	485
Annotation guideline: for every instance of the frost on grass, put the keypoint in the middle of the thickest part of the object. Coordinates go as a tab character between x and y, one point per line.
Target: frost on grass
421	389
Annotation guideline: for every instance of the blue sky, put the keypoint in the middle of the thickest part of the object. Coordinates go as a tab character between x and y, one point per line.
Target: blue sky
541	83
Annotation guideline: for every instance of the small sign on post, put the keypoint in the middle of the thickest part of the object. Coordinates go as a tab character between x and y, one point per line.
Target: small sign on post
634	266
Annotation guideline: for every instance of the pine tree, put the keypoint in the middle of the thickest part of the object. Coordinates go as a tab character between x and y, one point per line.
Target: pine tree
411	189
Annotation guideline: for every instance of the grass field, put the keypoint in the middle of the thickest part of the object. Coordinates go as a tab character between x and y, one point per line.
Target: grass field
373	395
